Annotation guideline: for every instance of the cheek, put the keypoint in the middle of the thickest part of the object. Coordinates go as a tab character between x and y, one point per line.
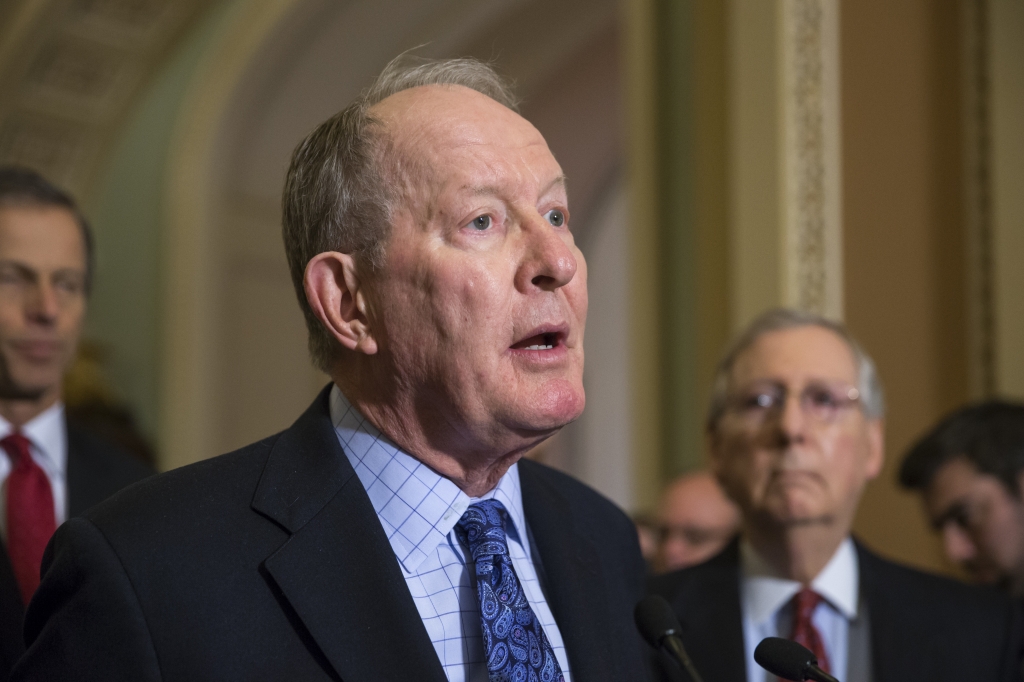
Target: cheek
576	290
745	468
73	316
578	303
1003	530
476	305
847	455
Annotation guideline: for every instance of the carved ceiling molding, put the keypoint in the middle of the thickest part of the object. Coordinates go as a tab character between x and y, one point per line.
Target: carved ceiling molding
70	71
812	203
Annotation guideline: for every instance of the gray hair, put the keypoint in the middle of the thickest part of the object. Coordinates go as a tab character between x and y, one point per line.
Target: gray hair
872	397
337	196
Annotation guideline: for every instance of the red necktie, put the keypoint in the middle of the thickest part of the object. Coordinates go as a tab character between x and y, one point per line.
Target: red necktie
30	517
804	631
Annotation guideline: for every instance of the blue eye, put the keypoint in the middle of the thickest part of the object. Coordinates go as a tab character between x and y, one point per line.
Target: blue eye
481	223
555	217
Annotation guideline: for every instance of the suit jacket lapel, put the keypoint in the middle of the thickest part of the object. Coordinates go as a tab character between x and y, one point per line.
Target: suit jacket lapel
12	613
337	571
885	621
575	584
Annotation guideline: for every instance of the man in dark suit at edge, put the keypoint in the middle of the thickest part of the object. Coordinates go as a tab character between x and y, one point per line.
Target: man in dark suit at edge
795	431
50	469
393	532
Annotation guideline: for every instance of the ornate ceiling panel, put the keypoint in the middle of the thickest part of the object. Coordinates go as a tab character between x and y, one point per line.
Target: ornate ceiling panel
69	73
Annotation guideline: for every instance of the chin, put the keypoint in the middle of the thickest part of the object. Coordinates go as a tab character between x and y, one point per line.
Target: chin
560	403
787	512
25	387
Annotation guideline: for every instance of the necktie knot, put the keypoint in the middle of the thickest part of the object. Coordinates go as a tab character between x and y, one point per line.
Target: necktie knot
804	603
18	449
483	529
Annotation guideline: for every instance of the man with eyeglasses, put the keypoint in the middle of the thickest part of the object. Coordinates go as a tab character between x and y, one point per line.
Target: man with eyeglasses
795	431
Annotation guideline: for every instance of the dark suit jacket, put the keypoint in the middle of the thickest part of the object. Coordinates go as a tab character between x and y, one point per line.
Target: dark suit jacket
923	627
269	563
95	471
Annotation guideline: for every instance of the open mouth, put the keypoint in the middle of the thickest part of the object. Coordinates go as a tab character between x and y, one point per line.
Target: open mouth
544	341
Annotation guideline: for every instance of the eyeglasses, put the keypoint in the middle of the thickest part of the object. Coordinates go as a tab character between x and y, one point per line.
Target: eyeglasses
821	402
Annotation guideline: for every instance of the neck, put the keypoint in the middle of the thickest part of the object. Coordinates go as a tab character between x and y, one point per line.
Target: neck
796	551
20	411
474	458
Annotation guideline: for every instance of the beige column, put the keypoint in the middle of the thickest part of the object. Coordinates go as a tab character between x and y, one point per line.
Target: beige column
785	161
1006	74
734	171
189	298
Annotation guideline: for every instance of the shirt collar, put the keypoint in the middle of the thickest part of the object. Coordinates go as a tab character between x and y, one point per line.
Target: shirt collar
417	507
47	435
764	592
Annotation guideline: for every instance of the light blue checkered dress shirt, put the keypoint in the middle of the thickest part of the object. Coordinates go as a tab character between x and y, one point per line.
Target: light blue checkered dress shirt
418	509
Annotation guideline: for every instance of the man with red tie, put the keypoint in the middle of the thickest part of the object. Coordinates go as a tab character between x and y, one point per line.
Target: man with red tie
795	431
49	470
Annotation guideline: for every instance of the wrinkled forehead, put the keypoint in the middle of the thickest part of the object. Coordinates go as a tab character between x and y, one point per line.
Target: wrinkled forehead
796	355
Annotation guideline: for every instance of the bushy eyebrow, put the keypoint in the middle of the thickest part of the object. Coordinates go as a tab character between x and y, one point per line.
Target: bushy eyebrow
494	190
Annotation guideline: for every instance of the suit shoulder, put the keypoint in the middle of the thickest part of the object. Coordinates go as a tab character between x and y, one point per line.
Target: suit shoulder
209	488
92	450
924	590
718	572
579	495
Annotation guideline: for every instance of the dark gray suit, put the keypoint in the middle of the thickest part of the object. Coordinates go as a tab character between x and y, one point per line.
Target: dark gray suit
922	627
270	563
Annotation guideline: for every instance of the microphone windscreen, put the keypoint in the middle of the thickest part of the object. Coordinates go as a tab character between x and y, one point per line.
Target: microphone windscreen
784	658
655	619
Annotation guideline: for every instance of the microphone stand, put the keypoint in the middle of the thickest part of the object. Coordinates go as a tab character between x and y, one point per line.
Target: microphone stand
674	646
813	672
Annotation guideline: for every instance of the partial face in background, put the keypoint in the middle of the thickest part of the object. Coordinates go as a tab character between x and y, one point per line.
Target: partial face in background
482	299
794	447
981	522
42	298
695	521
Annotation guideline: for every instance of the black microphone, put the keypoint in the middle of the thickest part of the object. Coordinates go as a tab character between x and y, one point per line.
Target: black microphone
660	627
789	660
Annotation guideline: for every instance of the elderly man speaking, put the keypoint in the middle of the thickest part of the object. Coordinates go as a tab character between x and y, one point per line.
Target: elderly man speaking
392	533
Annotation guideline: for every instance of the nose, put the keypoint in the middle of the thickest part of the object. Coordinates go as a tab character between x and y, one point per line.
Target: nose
549	262
792	421
674	553
958	546
41	304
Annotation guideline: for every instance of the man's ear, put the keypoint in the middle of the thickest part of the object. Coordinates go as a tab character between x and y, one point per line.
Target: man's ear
335	292
876	448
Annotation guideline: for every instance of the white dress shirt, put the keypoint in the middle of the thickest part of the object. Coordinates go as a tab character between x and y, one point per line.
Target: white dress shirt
764	595
418	509
49	449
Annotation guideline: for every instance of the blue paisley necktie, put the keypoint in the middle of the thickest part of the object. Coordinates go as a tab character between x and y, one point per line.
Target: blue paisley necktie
514	642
